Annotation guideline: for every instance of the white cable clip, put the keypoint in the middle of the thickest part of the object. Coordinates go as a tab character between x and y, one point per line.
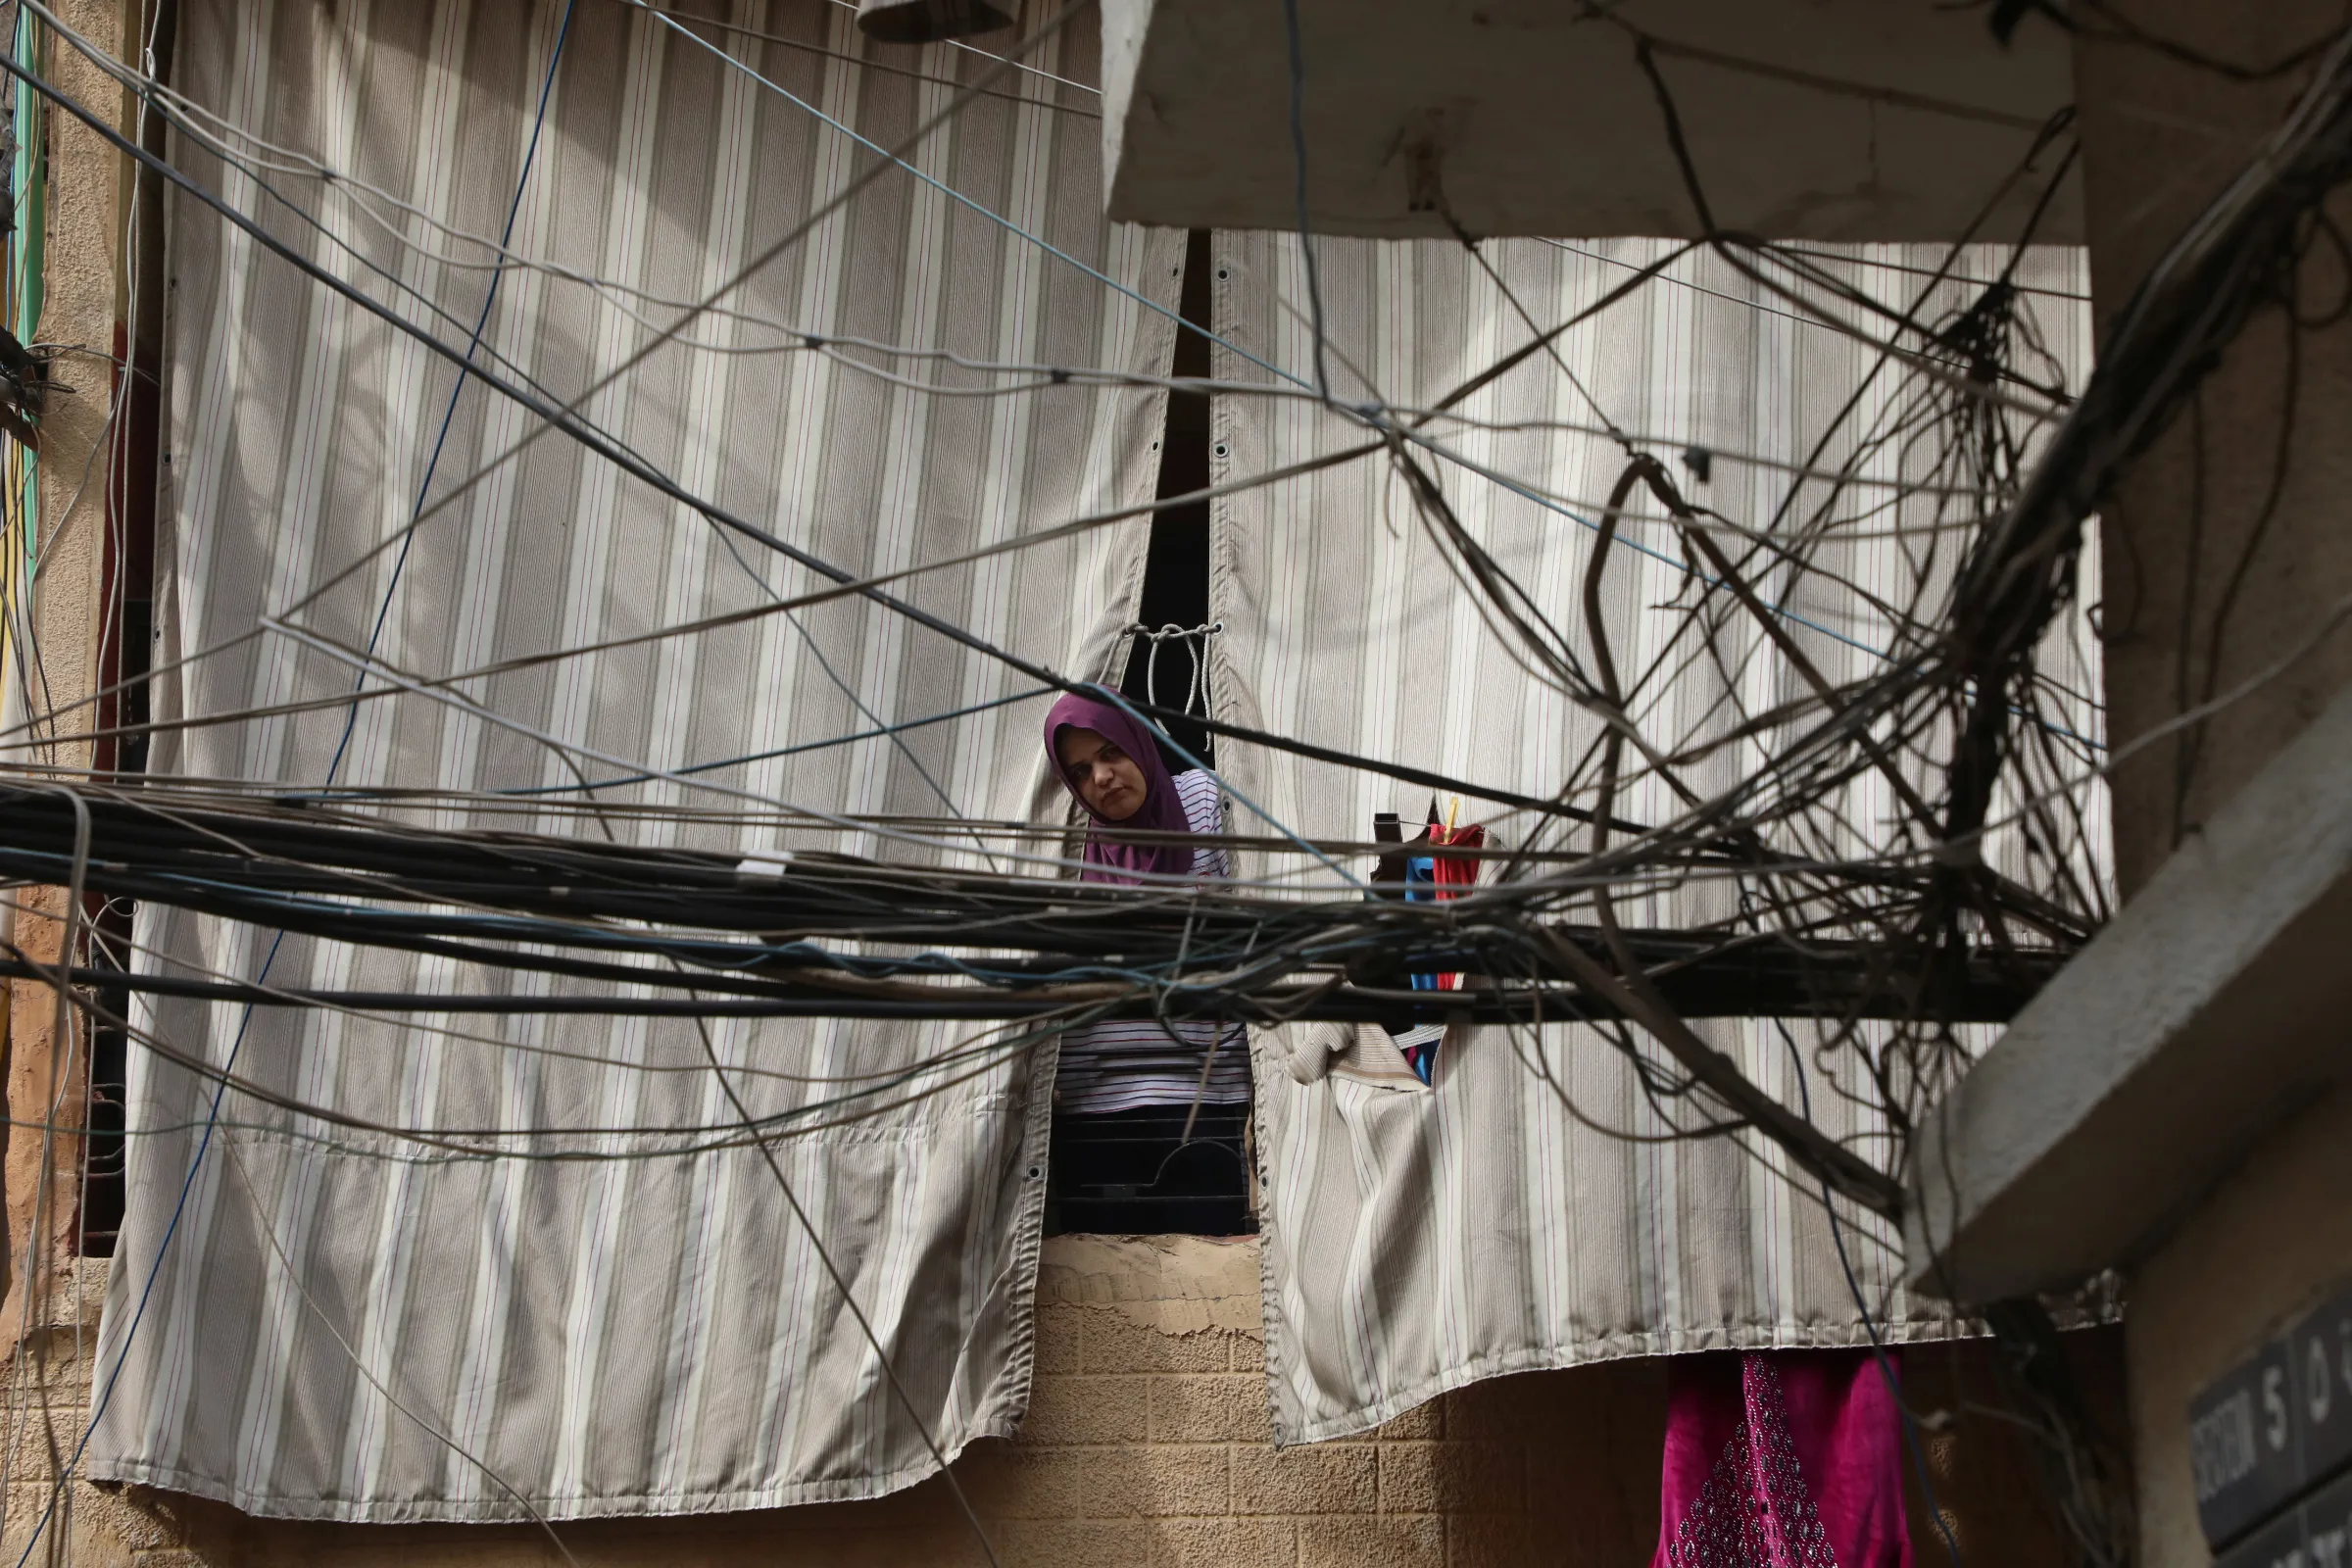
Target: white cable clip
763	865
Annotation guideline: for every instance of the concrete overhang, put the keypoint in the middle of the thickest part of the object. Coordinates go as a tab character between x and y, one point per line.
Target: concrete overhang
2216	1005
1824	120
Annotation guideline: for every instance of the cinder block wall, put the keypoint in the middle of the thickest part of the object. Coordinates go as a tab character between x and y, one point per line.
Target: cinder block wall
1146	1444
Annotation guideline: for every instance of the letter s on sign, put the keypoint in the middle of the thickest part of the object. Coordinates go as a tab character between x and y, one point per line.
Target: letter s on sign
2273	1404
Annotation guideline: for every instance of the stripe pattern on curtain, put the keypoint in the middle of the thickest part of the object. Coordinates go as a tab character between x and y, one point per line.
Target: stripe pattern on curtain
1416	1241
314	1320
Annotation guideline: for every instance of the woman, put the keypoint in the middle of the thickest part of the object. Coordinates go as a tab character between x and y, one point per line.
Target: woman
1126	1087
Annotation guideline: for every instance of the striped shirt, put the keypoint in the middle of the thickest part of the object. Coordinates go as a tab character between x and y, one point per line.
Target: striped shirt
1124	1064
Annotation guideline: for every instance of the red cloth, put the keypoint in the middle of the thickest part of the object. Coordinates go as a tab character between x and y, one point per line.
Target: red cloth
1781	1459
1453	876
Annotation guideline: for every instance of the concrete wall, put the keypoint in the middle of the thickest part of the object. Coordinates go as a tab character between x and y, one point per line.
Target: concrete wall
1146	1444
2262	1248
2209	577
2225	551
79	311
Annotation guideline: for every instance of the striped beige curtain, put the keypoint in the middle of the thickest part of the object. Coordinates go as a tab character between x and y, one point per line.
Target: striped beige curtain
1523	1213
313	1320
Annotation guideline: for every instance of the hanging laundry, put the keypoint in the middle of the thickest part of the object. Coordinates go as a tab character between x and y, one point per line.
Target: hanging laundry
1427	876
1435	877
1781	1459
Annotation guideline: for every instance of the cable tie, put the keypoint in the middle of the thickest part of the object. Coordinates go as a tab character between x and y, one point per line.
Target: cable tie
763	865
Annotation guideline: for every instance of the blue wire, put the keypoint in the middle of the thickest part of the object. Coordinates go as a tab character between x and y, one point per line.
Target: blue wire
351	719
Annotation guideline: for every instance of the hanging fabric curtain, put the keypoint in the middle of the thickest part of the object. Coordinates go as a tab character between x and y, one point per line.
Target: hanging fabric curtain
1524	1214
311	1318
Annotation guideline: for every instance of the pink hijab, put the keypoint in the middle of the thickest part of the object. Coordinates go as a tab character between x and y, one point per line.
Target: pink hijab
1107	859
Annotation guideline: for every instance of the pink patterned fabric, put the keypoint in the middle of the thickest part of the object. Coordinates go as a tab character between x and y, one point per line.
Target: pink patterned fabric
1781	1459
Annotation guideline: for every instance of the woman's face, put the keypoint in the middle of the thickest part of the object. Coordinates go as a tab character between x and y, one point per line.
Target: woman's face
1106	779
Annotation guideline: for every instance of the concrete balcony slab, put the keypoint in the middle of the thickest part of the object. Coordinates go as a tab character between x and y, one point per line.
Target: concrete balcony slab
1824	119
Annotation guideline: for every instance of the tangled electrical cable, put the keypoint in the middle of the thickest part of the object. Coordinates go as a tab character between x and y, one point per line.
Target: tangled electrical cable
1899	853
1913	924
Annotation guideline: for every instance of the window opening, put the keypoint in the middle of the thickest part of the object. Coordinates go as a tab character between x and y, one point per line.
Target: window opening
1166	1169
1176	567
